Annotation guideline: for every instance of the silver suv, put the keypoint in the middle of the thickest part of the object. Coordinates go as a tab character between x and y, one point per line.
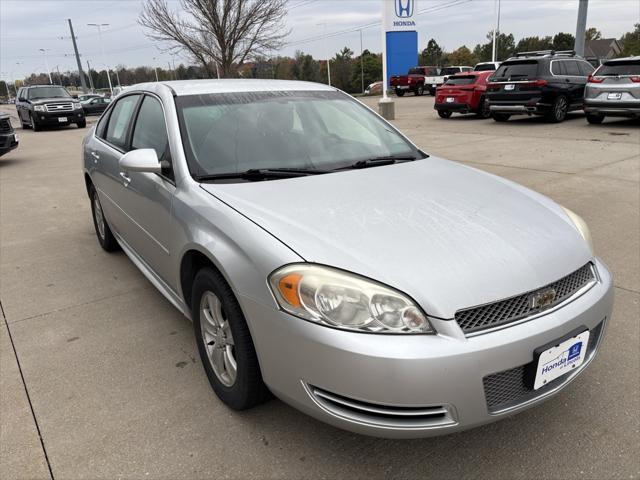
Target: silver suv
325	258
613	90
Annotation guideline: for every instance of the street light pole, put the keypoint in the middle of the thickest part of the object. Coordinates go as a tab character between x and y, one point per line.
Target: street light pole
581	27
104	60
361	62
93	90
46	64
327	53
155	69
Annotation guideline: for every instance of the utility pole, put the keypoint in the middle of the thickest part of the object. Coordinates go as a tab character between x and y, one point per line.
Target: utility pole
327	53
155	69
581	27
59	76
104	60
361	62
75	49
89	75
46	64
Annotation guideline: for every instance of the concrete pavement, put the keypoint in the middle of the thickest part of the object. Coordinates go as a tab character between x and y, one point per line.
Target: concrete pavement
107	371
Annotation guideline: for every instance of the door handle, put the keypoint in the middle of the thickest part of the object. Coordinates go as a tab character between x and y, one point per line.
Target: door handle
126	179
95	156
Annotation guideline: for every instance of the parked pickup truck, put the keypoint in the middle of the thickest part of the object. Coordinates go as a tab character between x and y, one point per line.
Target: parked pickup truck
413	81
434	81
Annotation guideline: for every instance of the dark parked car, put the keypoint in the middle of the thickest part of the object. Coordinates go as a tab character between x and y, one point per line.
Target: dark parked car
544	83
95	106
88	96
8	138
42	105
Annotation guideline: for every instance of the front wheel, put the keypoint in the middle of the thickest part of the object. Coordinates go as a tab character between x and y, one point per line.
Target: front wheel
595	118
82	124
34	126
399	93
501	117
224	343
444	113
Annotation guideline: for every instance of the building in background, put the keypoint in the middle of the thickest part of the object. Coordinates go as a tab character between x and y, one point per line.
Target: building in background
597	51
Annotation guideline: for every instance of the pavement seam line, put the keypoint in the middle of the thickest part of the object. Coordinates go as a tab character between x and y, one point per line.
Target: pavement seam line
26	391
627	289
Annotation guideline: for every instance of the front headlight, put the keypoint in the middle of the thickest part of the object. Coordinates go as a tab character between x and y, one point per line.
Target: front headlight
581	226
344	300
39	108
77	105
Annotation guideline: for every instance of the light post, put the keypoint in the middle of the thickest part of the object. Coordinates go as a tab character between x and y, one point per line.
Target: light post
327	53
361	62
104	60
155	69
496	31
46	64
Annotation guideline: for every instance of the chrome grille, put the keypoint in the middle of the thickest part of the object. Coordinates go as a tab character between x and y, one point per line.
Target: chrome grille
509	388
59	107
5	125
519	307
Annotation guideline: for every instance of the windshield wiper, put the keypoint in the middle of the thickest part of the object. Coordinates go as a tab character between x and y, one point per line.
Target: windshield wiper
379	161
262	174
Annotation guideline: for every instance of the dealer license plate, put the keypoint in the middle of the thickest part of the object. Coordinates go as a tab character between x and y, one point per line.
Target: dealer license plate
62	119
433	85
561	359
509	86
450	99
614	96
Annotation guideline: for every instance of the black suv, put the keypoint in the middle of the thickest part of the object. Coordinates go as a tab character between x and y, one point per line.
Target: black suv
538	83
41	105
8	138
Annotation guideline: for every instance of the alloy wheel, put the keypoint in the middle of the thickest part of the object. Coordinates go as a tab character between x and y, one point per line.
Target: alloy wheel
560	108
218	339
99	216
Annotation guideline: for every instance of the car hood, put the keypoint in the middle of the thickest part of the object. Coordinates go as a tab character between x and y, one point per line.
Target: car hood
40	101
448	235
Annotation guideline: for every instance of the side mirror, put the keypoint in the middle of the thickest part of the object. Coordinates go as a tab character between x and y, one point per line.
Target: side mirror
142	160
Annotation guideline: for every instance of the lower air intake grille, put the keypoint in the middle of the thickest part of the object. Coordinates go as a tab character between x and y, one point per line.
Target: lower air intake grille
383	415
519	307
509	388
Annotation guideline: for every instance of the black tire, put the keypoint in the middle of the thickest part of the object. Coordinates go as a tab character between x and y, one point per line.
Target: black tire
559	110
34	125
419	91
82	124
500	117
483	109
248	389
106	239
399	93
444	113
595	118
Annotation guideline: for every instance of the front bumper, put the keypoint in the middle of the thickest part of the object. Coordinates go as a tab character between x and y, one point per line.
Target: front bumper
51	118
8	141
405	386
614	109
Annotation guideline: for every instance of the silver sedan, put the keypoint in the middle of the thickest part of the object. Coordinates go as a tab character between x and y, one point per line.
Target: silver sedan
326	259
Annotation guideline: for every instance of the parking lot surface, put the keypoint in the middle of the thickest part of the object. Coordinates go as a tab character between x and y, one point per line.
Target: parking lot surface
100	376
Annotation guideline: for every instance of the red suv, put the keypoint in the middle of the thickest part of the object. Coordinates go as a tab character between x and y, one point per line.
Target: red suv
463	93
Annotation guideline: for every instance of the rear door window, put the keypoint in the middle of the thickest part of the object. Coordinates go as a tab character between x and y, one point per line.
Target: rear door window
519	70
119	120
559	67
572	68
586	68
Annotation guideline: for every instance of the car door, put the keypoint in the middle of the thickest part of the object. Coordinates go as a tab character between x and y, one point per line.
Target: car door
146	198
577	82
104	151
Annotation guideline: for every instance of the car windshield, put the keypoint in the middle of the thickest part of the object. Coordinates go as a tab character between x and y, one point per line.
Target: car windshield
322	131
631	67
485	67
449	71
517	70
462	80
48	92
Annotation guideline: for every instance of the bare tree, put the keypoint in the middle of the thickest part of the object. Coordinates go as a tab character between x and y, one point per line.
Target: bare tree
217	33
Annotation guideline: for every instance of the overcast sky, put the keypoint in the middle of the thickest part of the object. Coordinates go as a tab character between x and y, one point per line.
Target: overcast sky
29	25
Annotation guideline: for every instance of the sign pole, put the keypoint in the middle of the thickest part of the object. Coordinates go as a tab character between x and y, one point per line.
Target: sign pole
386	106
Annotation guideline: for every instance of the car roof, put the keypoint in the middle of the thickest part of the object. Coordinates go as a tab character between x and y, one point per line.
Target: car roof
625	59
203	87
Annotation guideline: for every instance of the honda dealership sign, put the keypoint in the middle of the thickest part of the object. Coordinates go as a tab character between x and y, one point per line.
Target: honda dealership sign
401	36
400	15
